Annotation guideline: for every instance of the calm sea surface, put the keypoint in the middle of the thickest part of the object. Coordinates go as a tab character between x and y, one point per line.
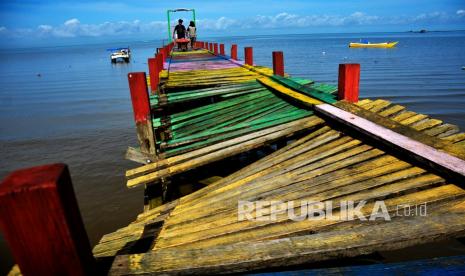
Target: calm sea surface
70	104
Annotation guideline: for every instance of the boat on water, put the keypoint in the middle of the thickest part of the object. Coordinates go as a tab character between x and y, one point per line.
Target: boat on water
389	44
120	54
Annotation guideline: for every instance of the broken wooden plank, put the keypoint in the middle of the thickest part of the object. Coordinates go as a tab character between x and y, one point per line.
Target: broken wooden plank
413	142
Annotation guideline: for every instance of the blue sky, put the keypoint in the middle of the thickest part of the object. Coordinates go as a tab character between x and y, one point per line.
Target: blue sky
38	22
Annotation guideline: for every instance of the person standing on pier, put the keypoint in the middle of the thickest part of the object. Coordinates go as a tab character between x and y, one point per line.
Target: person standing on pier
192	33
180	31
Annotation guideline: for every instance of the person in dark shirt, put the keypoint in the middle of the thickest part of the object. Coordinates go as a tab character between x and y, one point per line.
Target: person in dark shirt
180	30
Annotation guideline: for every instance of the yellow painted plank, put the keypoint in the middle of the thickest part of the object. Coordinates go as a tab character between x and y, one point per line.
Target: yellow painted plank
282	89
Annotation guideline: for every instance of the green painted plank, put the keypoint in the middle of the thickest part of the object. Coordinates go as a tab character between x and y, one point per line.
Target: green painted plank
230	135
252	125
227	111
325	97
301	81
216	106
325	88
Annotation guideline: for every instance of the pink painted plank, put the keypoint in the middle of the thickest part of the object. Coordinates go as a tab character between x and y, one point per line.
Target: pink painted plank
414	147
204	65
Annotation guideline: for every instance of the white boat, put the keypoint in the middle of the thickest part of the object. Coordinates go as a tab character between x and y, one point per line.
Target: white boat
120	54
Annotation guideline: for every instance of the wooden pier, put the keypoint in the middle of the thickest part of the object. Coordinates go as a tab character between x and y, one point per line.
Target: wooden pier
209	107
199	112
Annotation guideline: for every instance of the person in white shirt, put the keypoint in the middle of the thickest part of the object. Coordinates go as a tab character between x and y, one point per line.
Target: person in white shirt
192	33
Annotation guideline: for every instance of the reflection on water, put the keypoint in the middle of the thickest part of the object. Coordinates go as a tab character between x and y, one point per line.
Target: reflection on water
70	104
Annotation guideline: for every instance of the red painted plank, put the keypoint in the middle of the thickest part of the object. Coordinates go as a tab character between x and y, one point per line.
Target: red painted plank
348	84
154	73
139	96
40	220
234	51
215	48
222	50
278	63
248	53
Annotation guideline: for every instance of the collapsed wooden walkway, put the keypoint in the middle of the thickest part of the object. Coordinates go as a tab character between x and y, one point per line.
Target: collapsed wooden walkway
225	108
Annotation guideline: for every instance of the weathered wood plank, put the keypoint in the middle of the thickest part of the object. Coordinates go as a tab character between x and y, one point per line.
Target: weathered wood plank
423	149
296	250
213	156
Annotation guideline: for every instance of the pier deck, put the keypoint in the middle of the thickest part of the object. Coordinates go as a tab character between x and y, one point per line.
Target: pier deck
209	108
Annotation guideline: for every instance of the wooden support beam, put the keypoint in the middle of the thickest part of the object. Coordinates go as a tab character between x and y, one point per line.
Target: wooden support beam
348	83
154	73
215	48
40	219
222	49
278	63
137	156
141	108
210	47
429	156
234	51
248	54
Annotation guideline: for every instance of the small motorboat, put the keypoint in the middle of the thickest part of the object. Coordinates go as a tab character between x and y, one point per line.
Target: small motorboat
120	54
373	45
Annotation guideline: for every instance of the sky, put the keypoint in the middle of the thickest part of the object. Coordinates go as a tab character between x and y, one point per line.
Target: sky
56	22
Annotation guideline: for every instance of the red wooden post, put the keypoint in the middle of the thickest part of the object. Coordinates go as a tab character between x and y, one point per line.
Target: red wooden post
40	219
348	84
141	108
210	47
248	53
234	51
215	48
154	73
159	63
278	63
162	52
222	50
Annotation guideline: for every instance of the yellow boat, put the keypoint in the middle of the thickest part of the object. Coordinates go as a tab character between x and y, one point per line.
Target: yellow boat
373	45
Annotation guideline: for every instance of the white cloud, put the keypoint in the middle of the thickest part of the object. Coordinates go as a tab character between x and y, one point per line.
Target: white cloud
72	22
221	23
75	28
